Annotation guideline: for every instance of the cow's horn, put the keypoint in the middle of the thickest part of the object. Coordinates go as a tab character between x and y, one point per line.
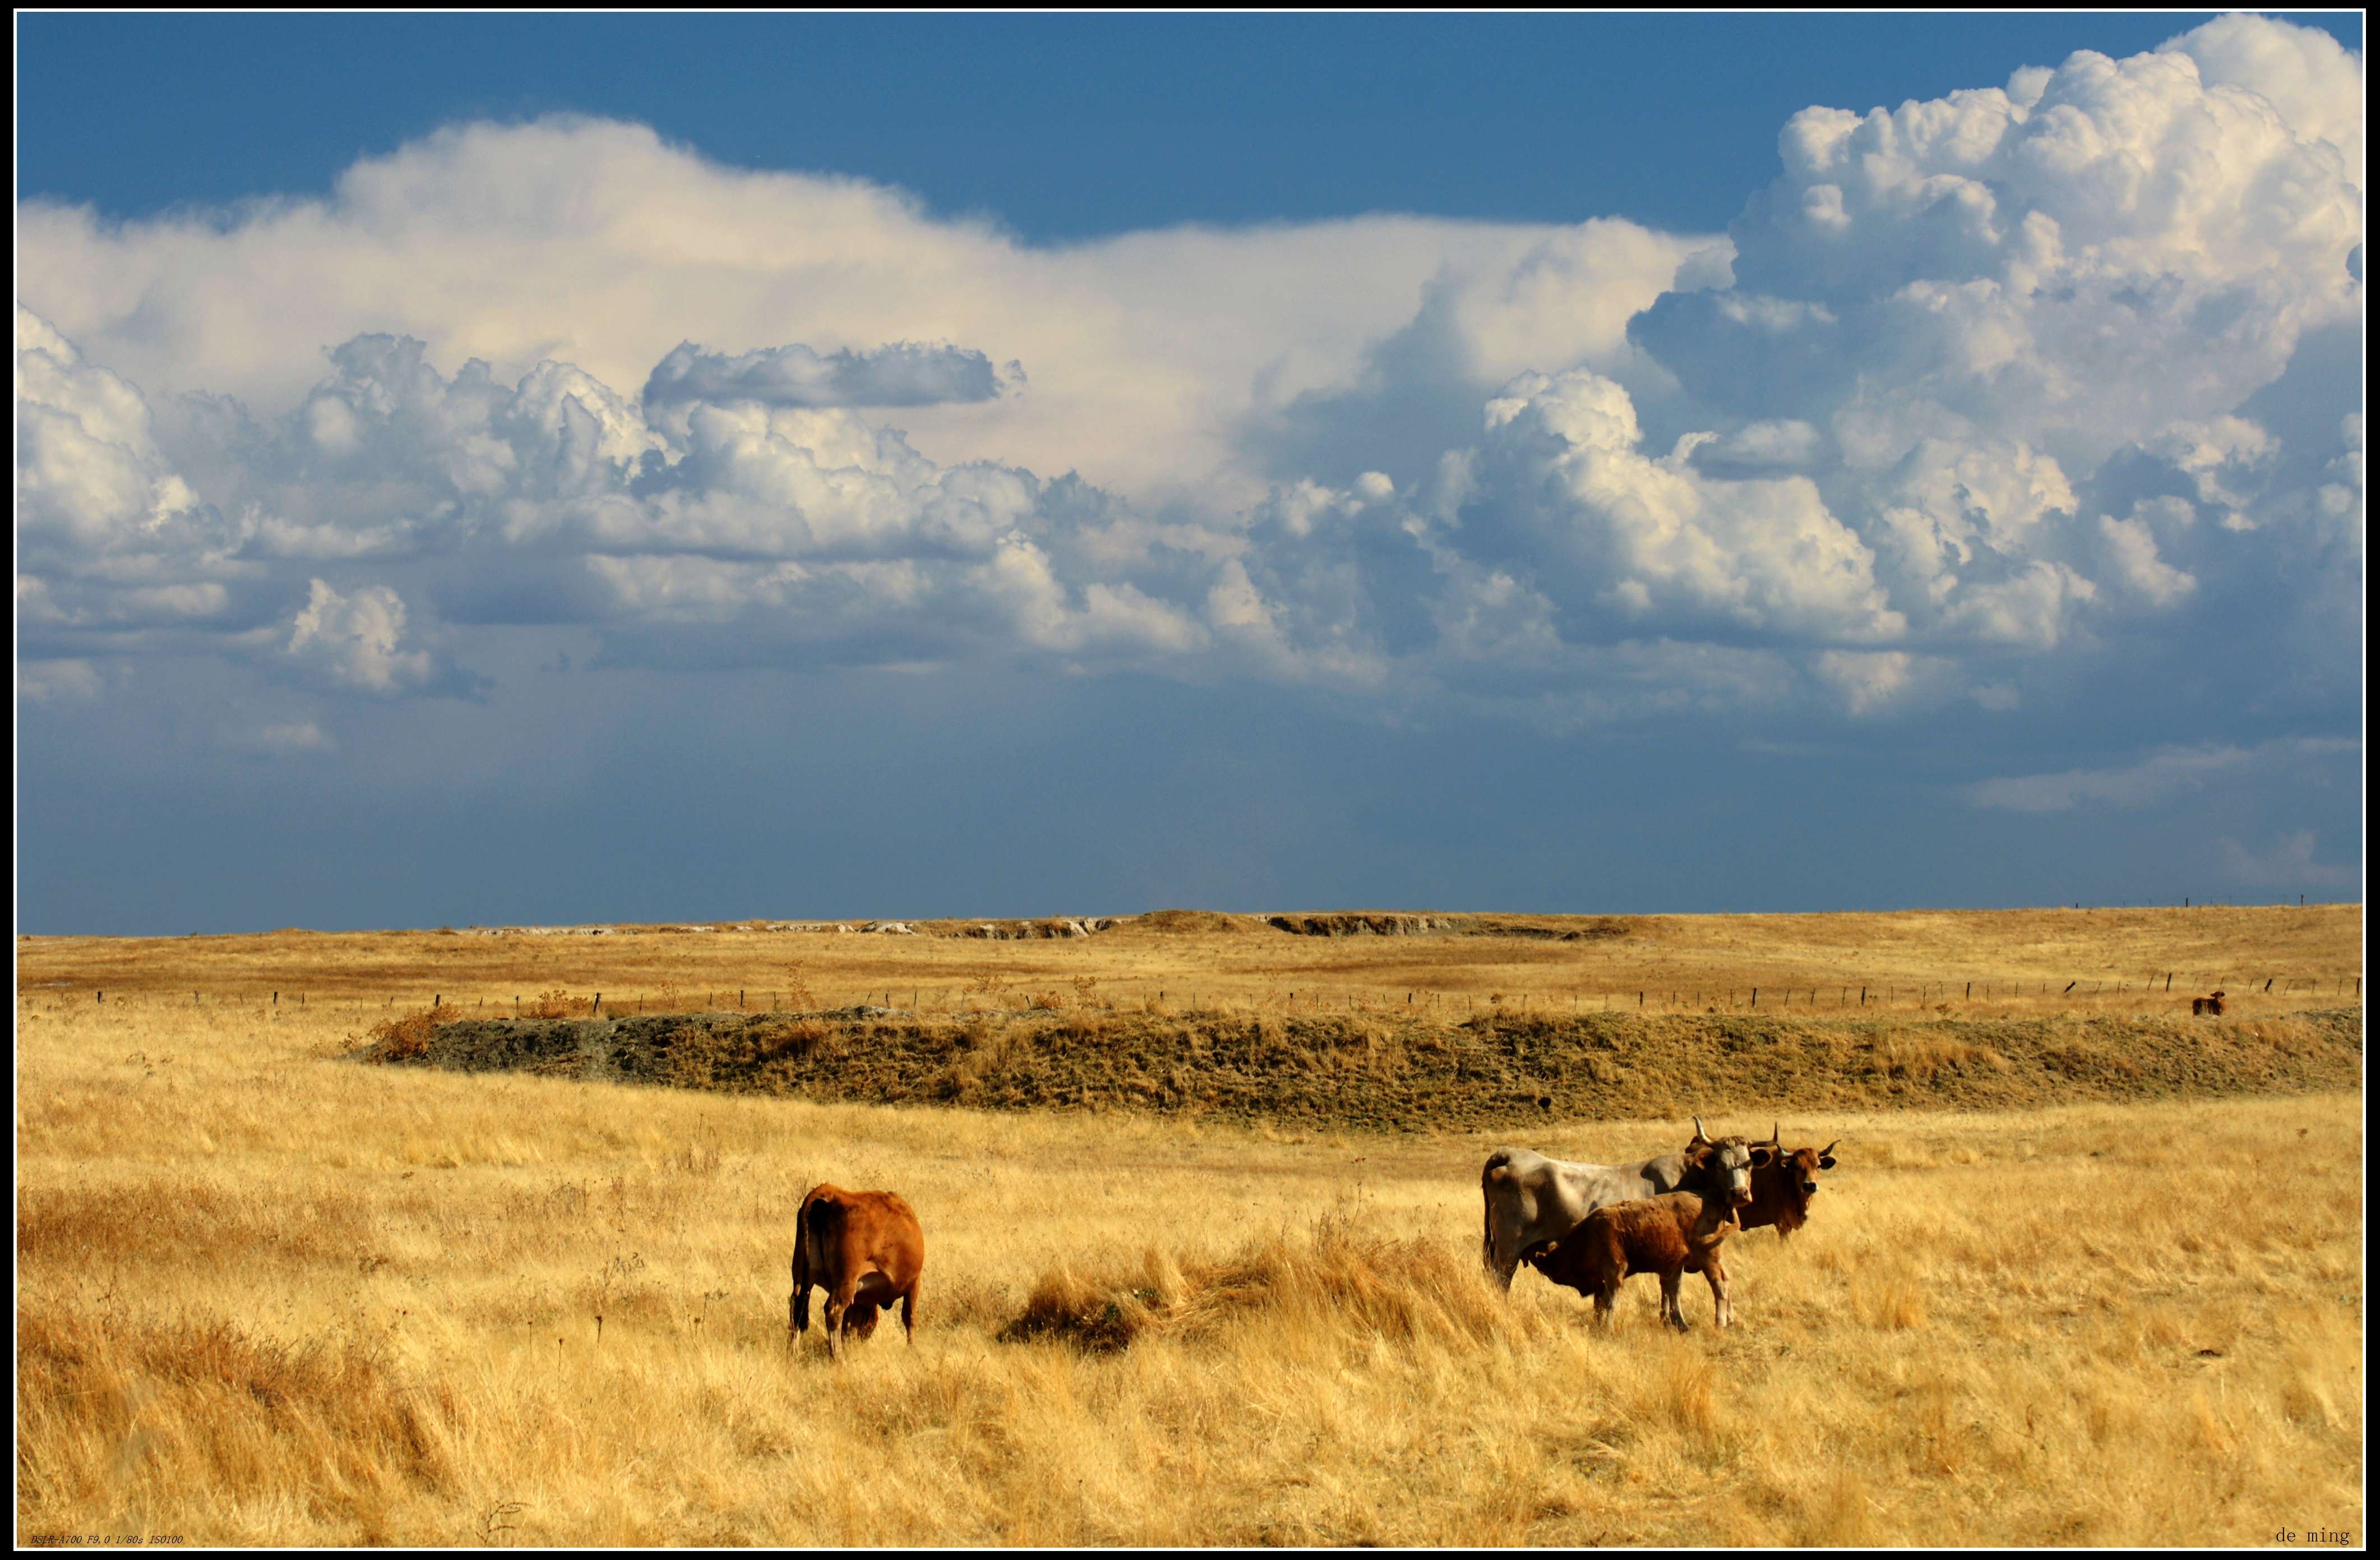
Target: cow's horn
1829	1149
1698	1129
1773	1131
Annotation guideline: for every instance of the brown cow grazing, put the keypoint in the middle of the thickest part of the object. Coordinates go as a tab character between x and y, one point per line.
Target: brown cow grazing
1669	1235
865	1249
2209	1006
1781	1189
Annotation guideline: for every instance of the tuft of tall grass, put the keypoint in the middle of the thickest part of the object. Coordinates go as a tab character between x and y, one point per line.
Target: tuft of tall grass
1335	1280
147	1413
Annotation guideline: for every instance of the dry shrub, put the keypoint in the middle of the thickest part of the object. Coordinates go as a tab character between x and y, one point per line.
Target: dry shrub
557	1005
202	1404
1047	1002
797	994
1397	1289
408	1035
798	1038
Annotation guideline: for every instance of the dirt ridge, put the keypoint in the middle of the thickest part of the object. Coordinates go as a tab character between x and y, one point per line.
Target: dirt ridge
1363	1071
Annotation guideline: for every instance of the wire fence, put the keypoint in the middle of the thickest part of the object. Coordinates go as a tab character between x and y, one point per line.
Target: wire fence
1793	997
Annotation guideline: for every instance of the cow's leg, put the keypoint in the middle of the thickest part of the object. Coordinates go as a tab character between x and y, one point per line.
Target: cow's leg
909	1313
1607	1289
1503	1254
861	1319
1606	1293
1672	1312
839	1302
1714	1271
797	1302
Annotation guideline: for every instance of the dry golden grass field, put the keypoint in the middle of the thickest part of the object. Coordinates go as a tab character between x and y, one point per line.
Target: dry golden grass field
267	1296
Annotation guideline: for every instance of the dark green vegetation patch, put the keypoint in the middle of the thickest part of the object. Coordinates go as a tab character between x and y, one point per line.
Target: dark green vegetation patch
1369	1071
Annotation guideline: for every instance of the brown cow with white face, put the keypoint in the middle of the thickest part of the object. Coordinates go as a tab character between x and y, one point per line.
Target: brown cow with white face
866	1250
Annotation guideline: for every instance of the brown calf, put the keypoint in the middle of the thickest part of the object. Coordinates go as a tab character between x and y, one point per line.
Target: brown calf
1669	1235
865	1249
2209	1006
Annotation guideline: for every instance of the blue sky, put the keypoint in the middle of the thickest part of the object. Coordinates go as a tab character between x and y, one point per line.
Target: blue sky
524	469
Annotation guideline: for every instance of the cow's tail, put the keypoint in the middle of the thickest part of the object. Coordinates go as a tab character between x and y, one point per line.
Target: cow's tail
809	1264
1497	1169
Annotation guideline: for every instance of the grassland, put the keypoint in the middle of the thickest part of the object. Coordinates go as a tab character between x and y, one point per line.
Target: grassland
264	1297
2001	963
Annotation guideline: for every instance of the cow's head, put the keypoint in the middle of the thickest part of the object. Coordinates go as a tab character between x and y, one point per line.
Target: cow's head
1724	1166
1797	1177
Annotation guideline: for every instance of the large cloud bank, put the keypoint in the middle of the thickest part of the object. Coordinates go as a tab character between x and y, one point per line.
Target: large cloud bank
1977	387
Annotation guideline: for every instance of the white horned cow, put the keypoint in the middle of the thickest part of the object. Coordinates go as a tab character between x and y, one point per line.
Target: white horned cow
1533	1201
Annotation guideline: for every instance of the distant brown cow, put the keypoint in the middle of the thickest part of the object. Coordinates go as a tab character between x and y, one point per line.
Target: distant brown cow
1669	1235
865	1249
1781	1189
2209	1006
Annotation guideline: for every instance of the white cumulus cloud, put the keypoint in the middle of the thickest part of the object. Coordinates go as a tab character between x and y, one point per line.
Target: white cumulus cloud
1973	381
353	638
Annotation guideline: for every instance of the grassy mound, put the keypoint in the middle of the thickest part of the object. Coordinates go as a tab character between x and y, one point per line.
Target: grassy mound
1395	1289
1365	1071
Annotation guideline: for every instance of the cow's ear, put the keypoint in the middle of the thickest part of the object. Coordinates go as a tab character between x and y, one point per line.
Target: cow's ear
1826	1162
1763	1156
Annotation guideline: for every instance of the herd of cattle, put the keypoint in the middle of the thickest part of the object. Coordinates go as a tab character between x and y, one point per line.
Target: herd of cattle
1585	1225
1590	1226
